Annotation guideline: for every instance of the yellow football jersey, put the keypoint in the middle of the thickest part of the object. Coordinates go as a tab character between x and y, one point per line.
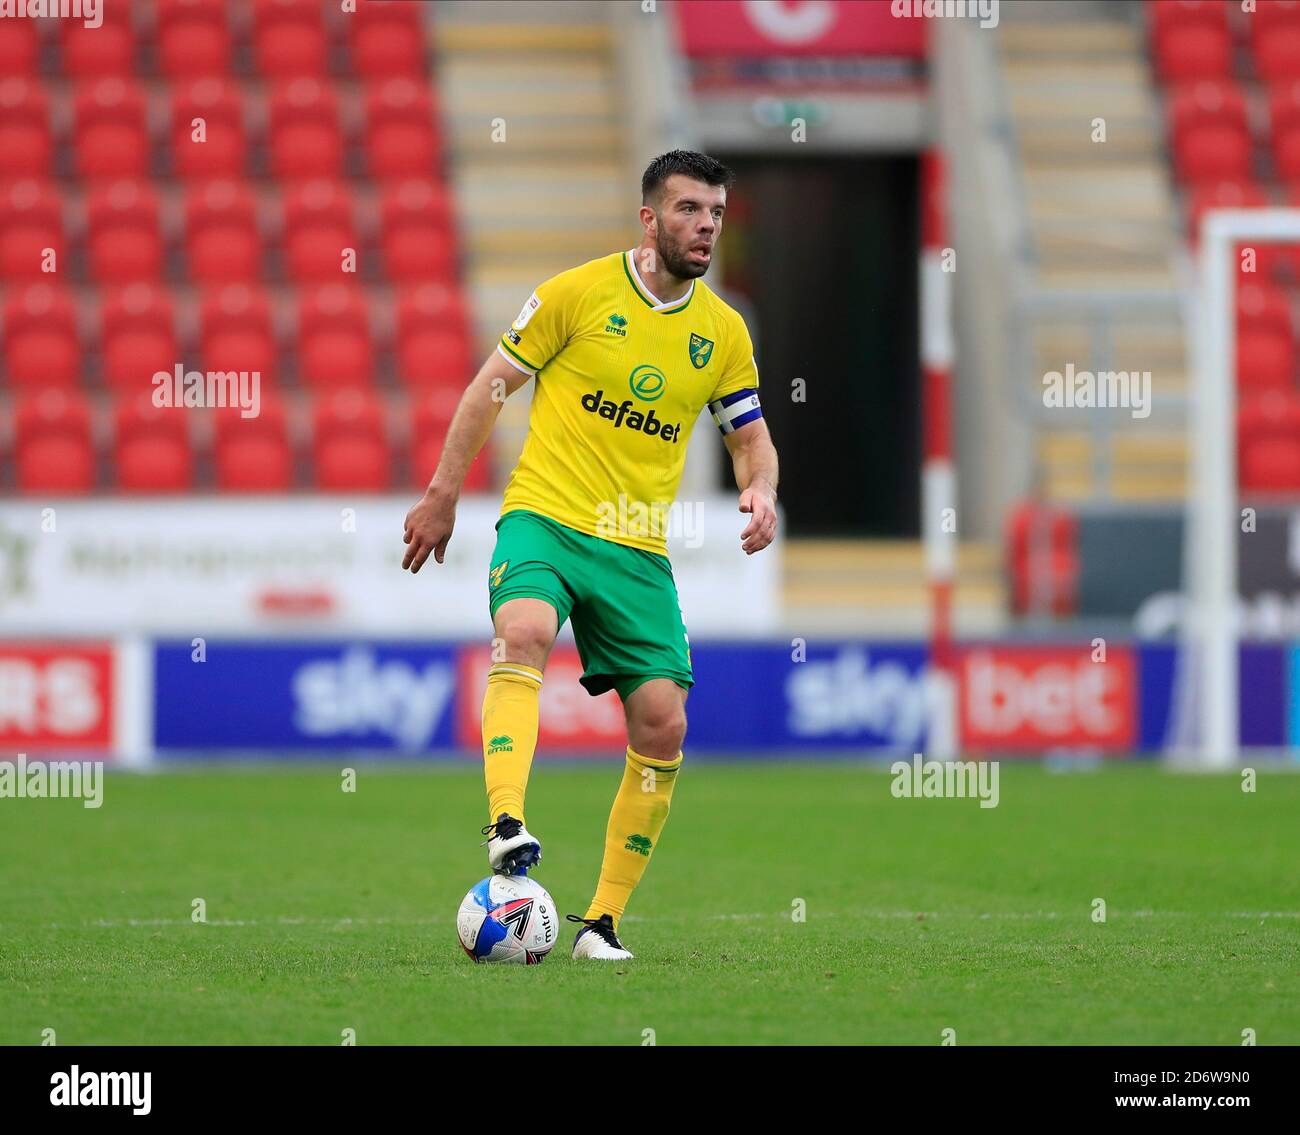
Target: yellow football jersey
620	381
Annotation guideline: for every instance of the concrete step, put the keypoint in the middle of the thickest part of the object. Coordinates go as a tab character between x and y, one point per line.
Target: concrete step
882	594
879	587
1095	79
1068	40
496	35
1137	191
819	558
1143	466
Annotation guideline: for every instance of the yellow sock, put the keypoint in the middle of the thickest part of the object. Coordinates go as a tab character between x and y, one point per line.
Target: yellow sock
509	735
635	822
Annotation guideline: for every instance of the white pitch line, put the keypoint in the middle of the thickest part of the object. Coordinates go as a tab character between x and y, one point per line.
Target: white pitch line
753	916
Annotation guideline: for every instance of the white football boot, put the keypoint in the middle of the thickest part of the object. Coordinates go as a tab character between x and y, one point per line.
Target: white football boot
512	849
598	940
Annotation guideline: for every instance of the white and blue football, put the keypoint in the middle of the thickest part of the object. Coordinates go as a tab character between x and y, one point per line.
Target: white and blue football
508	918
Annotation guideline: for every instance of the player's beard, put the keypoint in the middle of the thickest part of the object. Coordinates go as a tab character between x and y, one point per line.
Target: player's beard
675	257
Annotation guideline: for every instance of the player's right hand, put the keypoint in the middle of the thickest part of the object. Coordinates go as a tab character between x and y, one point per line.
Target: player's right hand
428	528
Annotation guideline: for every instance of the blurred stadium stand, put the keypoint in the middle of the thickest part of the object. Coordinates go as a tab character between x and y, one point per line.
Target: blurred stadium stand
467	150
225	250
1118	125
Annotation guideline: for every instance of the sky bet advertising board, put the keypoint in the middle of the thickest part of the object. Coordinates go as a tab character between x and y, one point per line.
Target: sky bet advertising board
402	698
405	699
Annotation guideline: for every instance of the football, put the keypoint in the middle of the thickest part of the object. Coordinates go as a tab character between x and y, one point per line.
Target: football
507	918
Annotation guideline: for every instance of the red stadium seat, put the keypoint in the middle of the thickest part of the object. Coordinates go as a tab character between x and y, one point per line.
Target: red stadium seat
1194	48
1209	132
441	304
1268	443
223	149
1275	40
387	39
1166	14
334	347
52	443
19	47
1266	353
402	138
1284	129
123	240
1270	464
26	145
236	332
417	234
1271	16
305	138
1262	306
318	226
430	416
111	137
433	343
289	38
222	240
1278	56
31	221
193	38
349	442
41	345
138	336
102	51
253	455
151	452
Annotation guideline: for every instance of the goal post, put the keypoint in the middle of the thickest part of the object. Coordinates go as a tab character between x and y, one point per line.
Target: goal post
938	471
1211	626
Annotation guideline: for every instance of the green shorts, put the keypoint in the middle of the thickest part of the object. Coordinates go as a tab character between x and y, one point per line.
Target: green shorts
627	620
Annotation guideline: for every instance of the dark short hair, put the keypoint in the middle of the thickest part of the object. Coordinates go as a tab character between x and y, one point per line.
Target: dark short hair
689	163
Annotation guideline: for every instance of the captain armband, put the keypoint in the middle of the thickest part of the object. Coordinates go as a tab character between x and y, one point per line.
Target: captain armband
734	410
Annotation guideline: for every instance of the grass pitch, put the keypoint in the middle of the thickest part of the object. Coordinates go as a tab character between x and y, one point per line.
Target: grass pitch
330	911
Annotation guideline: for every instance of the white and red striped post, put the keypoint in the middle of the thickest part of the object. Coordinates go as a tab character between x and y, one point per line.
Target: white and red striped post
938	479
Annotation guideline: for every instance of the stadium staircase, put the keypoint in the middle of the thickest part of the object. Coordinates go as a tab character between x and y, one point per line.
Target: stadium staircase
1200	104
539	156
1102	244
1070	226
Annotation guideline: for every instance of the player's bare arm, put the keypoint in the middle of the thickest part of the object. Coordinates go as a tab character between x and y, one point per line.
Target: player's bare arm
431	519
753	458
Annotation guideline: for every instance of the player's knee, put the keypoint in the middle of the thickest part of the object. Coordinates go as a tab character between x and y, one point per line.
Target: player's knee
660	730
526	640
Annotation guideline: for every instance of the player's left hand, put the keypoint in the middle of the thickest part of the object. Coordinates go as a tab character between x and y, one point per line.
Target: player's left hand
761	529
